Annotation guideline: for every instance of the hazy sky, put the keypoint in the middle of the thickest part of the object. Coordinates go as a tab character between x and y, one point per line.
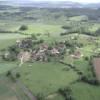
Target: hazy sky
82	1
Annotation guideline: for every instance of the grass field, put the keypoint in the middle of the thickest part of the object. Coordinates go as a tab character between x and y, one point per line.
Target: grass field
43	28
6	66
82	91
46	78
9	90
8	39
6	93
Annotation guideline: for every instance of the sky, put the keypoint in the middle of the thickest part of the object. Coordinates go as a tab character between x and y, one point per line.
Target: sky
80	1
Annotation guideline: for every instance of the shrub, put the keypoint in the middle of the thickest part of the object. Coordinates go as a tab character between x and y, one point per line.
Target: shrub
92	81
62	34
8	73
86	58
66	27
23	28
18	75
67	93
40	97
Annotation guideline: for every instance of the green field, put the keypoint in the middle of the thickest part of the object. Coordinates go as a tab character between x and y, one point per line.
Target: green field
8	39
10	90
43	28
82	91
46	78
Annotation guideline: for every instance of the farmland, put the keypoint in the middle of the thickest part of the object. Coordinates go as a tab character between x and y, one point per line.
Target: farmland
9	39
39	75
75	40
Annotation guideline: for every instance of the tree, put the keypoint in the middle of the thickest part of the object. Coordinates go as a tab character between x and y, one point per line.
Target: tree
8	73
23	28
18	75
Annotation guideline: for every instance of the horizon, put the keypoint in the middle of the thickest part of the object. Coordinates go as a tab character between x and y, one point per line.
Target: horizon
78	1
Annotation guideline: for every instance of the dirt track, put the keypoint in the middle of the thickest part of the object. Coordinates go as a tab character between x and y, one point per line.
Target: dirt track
26	91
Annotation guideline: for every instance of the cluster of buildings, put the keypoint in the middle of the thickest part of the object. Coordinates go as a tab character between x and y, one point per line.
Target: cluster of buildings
30	50
42	53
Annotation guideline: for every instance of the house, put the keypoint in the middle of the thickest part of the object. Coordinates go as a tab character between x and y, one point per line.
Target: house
54	51
6	54
25	43
44	47
39	55
18	43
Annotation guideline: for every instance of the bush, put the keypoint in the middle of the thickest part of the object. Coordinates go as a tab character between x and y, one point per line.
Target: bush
18	75
67	93
92	81
62	34
23	28
86	58
40	97
66	27
11	57
8	73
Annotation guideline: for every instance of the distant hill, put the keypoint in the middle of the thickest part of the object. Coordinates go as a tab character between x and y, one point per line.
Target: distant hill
49	4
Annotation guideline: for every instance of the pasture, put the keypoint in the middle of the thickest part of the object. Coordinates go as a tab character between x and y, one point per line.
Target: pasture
8	39
46	78
9	90
82	91
43	28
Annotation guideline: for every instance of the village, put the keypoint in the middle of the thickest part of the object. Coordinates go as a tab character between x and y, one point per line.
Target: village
30	50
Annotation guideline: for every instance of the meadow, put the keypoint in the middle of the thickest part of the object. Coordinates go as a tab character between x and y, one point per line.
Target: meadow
46	77
8	39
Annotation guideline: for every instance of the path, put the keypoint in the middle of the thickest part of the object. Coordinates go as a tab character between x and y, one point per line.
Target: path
26	90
